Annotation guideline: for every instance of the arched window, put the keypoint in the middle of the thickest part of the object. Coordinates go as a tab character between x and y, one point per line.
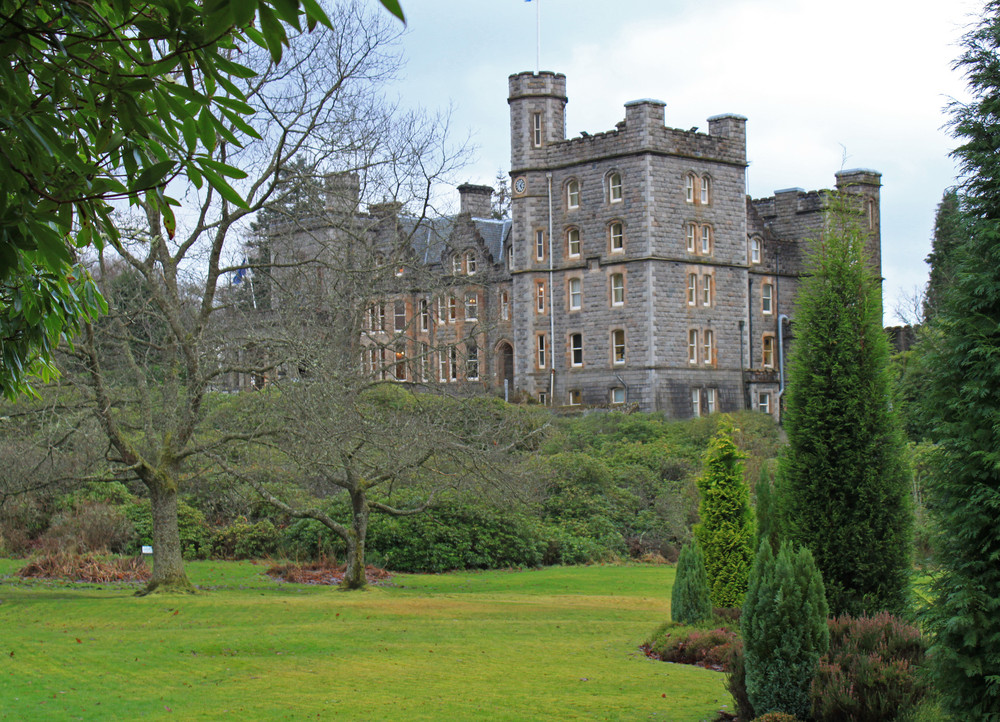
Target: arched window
456	264
755	249
616	237
706	187
689	188
615	187
573	194
573	242
470	263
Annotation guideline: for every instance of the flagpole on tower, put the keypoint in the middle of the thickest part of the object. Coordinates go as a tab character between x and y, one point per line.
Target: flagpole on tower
538	36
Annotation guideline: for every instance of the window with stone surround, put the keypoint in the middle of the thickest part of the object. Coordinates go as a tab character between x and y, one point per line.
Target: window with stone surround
706	190
573	194
766	298
692	294
691	231
443	371
453	362
618	346
689	188
710	395
615	187
574	293
768	351
576	349
536	130
616	237
755	249
452	309
539	244
471	306
425	315
442	310
472	362
764	402
708	347
539	296
399	316
707	288
456	264
706	240
504	306
617	289
540	351
692	346
618	395
471	265
399	372
543	398
696	402
573	243
423	355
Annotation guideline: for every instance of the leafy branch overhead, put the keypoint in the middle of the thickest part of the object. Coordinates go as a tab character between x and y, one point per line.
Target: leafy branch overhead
104	102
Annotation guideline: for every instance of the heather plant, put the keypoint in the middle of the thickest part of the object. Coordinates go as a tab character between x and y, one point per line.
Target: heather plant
872	672
784	630
690	602
726	531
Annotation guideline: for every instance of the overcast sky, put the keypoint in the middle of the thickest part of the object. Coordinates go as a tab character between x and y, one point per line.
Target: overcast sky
825	86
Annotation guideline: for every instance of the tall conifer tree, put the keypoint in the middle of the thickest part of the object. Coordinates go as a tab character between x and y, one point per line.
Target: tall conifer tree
964	405
843	476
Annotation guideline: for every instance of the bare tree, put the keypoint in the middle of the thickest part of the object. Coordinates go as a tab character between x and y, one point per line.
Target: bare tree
152	392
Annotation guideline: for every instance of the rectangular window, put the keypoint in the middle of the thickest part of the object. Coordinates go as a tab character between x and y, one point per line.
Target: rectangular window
768	352
618	346
453	363
710	400
400	361
539	245
543	398
617	289
617	238
470	264
422	363
471	306
456	265
706	240
692	288
706	290
705	185
540	296
452	309
575	294
443	366
691	230
472	362
689	188
540	349
692	346
764	402
372	318
504	306
399	316
425	315
696	402
573	242
576	349
618	396
380	310
575	397
755	250
709	346
766	293
373	363
442	310
536	130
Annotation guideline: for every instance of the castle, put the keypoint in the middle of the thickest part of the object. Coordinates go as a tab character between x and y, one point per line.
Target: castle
634	270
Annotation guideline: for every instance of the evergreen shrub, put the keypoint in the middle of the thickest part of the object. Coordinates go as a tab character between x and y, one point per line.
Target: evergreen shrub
689	601
872	672
784	630
244	540
686	645
726	531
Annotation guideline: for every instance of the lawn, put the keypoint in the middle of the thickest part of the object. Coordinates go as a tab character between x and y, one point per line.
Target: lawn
556	643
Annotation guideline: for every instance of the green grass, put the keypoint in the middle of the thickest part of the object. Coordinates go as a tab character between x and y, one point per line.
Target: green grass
557	643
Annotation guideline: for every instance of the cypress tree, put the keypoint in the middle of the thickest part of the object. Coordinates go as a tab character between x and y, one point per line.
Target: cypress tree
963	407
784	630
689	601
726	531
843	477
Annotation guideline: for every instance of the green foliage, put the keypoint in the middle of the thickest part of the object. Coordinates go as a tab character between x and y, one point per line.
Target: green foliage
844	481
963	405
872	671
949	235
710	648
308	540
194	531
689	601
736	680
784	630
768	510
243	540
726	531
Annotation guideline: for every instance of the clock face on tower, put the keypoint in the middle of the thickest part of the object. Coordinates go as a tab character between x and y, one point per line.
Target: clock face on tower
519	185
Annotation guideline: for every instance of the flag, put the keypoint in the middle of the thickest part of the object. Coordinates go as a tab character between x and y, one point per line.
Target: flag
240	274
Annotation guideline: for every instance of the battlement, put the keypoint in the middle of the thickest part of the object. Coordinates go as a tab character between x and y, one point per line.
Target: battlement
541	84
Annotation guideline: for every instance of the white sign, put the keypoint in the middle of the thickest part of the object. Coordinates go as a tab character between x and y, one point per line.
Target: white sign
147	549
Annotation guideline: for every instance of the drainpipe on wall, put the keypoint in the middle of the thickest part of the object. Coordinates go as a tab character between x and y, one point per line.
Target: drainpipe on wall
552	308
743	378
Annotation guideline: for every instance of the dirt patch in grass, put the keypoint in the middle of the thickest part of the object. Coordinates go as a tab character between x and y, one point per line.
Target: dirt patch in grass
322	573
86	568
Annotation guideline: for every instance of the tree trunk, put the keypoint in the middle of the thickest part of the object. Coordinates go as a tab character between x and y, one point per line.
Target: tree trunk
168	562
354	577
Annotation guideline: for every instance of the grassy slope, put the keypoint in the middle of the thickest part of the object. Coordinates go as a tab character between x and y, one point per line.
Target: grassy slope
557	643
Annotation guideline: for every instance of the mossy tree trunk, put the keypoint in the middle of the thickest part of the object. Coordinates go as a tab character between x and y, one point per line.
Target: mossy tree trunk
168	558
354	577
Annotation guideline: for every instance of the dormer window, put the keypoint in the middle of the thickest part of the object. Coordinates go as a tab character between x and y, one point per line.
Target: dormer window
456	265
615	188
470	263
573	194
